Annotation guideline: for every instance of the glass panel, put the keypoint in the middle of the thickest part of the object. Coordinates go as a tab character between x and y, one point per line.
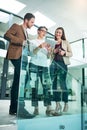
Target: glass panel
85	41
1	68
40	91
6	73
4	26
77	58
85	101
85	88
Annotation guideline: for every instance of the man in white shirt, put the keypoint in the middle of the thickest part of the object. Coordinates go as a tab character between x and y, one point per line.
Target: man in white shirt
39	69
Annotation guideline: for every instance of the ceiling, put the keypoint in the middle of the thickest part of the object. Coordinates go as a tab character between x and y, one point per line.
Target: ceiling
70	14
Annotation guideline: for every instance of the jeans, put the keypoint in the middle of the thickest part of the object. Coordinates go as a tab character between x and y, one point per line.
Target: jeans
58	73
42	73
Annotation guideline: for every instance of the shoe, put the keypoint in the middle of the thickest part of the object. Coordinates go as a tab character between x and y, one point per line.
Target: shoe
12	113
25	114
49	112
65	109
58	108
12	110
36	112
56	114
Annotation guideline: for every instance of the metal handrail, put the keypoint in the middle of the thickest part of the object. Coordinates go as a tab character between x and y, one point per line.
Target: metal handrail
21	18
8	12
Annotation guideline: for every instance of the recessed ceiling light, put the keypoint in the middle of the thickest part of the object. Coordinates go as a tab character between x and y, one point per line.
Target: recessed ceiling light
42	20
4	17
13	6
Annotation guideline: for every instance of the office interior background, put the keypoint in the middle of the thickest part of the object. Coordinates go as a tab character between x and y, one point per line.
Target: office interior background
72	16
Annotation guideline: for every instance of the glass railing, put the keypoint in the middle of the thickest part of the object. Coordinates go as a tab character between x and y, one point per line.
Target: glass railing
40	89
6	68
34	92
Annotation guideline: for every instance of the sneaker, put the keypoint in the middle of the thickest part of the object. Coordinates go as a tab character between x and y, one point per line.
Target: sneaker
12	113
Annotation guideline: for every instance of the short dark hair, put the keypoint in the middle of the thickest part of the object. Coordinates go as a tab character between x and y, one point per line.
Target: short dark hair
28	16
39	28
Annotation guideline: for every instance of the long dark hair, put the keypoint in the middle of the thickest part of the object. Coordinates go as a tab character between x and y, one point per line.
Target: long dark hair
63	33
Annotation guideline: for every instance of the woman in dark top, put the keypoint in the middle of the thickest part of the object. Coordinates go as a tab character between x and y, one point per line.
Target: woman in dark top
58	70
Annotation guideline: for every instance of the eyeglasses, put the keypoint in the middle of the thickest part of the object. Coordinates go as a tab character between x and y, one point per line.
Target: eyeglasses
43	31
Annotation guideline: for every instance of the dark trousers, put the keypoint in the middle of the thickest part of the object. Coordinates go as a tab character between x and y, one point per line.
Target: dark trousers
58	72
15	86
42	73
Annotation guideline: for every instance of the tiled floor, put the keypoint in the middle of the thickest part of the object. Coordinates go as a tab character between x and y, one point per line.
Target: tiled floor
8	122
8	127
